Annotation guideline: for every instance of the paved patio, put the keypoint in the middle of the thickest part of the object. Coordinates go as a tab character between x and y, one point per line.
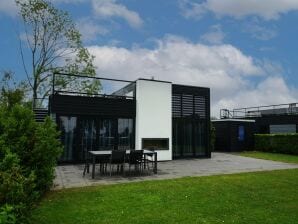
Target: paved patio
221	163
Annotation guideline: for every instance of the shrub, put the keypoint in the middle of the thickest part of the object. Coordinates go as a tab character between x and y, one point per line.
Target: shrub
7	215
37	145
16	189
28	155
280	143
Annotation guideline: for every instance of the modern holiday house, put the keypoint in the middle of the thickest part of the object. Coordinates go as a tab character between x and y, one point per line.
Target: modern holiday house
236	128
169	118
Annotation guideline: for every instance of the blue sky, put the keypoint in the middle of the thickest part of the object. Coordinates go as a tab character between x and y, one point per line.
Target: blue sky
245	51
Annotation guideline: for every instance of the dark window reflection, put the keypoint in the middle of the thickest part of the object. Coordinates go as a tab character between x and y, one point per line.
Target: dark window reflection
125	133
107	134
87	135
68	129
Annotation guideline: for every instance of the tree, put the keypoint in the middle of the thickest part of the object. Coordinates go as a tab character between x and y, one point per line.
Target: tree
11	92
54	45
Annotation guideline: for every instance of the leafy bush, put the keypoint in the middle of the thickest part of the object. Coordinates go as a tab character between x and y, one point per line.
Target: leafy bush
28	155
280	143
37	145
17	191
7	215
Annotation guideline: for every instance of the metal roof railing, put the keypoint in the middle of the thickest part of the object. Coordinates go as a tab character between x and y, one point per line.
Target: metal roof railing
259	111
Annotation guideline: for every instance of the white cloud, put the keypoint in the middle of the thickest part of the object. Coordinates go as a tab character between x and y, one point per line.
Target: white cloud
8	7
214	36
269	9
191	9
258	31
110	8
89	29
223	68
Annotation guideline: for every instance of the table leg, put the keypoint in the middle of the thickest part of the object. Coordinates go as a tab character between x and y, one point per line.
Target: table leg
155	163
93	167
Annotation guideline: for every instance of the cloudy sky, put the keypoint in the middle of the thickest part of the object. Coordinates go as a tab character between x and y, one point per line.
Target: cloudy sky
245	51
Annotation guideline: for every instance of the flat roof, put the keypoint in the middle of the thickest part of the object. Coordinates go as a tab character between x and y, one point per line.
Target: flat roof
153	80
230	119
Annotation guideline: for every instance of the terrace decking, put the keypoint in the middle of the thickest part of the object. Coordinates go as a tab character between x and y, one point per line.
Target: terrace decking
220	163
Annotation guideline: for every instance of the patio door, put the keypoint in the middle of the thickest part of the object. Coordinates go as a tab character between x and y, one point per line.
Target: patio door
68	128
94	133
188	137
107	134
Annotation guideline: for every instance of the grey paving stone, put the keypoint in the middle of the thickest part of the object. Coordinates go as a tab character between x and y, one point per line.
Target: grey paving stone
69	176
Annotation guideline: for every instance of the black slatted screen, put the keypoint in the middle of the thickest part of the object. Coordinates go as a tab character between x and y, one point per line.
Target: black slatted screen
184	105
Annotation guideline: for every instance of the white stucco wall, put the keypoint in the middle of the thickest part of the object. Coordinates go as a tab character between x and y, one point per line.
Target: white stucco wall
154	113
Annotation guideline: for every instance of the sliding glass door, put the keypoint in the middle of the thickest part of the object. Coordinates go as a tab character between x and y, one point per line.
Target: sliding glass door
107	134
188	137
82	133
68	128
125	133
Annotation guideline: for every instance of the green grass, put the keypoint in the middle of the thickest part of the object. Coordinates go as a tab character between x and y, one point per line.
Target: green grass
259	198
270	156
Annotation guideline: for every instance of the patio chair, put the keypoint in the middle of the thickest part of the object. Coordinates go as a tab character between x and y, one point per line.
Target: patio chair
148	159
136	159
87	161
103	160
117	158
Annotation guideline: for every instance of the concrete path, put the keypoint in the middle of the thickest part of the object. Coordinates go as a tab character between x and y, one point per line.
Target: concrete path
221	163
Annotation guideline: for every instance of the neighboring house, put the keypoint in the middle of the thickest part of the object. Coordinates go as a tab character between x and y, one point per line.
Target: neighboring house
172	119
236	128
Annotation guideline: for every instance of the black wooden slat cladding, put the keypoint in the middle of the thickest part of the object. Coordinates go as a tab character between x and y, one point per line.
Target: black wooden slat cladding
99	106
190	100
200	106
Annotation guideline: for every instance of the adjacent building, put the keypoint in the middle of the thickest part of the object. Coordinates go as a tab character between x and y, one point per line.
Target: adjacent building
236	128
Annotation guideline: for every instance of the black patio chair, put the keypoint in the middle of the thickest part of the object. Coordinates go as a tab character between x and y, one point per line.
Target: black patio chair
136	159
87	161
117	158
148	159
103	160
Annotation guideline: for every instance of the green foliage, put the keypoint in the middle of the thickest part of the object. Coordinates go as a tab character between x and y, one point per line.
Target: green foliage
17	189
55	45
46	151
6	215
28	155
270	156
11	92
278	143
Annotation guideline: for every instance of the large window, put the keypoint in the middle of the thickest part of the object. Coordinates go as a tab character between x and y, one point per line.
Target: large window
107	134
81	134
68	136
189	137
125	133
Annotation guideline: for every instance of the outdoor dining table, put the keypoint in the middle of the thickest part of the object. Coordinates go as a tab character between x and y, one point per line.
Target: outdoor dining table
95	154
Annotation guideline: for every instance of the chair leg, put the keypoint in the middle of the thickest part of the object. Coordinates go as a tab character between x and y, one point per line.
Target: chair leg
84	170
122	169
111	169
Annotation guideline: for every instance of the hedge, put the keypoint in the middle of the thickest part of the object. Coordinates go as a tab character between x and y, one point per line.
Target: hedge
28	156
279	143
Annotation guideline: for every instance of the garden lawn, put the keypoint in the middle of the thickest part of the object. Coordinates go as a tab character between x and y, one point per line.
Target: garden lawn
261	197
271	156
